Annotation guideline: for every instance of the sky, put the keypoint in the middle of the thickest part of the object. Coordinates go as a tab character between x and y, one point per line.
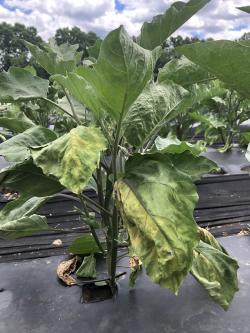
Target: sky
219	19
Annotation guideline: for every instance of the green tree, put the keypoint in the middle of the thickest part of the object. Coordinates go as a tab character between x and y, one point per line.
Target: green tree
76	36
12	50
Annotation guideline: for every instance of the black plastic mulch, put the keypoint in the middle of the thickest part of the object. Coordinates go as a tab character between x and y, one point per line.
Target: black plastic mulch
224	208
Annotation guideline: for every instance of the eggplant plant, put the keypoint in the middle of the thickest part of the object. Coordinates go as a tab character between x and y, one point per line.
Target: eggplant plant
210	108
144	183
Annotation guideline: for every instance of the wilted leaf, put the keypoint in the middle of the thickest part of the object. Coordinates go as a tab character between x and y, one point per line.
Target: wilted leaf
217	272
115	81
155	104
227	60
87	268
156	199
64	270
208	238
73	157
84	245
18	84
162	26
135	265
17	148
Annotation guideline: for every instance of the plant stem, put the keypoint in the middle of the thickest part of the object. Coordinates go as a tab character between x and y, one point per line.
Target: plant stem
113	230
71	197
96	204
91	228
57	106
72	106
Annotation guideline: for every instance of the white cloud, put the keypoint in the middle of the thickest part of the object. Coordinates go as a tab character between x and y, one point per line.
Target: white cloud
219	19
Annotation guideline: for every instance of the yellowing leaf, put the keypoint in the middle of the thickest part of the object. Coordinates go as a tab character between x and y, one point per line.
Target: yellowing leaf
72	158
217	272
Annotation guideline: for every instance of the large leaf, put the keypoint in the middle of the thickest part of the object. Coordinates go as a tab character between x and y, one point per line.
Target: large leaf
156	199
14	120
115	81
162	26
217	272
245	9
56	59
183	72
229	61
154	106
17	218
18	84
173	145
73	157
28	179
17	148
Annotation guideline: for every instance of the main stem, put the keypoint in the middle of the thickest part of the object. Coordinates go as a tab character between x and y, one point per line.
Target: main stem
113	230
91	228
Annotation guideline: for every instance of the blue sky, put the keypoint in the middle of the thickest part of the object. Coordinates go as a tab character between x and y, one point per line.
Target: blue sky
219	19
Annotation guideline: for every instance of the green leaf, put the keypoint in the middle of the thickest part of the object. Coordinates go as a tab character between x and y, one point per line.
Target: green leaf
151	110
17	218
14	119
25	226
173	145
228	61
208	120
87	268
162	26
79	109
56	59
115	81
183	72
217	272
245	9
17	148
28	179
194	166
199	93
84	245
18	84
72	158
156	199
94	50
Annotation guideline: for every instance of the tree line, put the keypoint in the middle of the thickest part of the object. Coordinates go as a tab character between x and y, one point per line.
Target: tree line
13	52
